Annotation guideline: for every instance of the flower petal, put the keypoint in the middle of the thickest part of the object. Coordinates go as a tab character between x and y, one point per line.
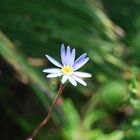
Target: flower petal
63	54
52	75
79	80
72	81
64	79
80	64
68	56
80	58
54	61
72	57
52	70
82	74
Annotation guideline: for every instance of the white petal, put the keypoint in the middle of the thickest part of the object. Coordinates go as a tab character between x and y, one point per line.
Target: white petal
52	70
68	56
54	61
64	79
72	57
80	58
82	74
72	81
63	54
80	64
52	75
79	80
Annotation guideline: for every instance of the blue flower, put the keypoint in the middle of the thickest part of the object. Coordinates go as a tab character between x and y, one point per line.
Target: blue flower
68	68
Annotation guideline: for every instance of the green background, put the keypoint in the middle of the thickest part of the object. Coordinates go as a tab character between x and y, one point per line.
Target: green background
108	31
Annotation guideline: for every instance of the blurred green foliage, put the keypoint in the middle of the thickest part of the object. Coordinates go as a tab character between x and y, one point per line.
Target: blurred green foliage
109	31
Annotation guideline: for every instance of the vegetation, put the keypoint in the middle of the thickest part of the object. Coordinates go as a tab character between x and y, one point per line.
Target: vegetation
109	31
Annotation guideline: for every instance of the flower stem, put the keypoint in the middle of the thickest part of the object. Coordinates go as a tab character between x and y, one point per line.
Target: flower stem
44	122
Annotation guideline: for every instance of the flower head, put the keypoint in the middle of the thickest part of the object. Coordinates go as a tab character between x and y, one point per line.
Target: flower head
68	68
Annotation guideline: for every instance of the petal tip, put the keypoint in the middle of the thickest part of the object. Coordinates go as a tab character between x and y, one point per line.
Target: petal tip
46	55
90	75
62	45
75	84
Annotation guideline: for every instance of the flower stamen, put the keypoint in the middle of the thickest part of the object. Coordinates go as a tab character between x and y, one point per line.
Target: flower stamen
67	70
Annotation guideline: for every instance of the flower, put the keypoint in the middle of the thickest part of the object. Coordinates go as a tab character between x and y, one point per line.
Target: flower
68	68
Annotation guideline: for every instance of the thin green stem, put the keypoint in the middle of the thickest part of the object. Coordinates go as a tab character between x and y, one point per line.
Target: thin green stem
45	121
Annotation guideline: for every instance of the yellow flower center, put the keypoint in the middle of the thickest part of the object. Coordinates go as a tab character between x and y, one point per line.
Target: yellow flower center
67	70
